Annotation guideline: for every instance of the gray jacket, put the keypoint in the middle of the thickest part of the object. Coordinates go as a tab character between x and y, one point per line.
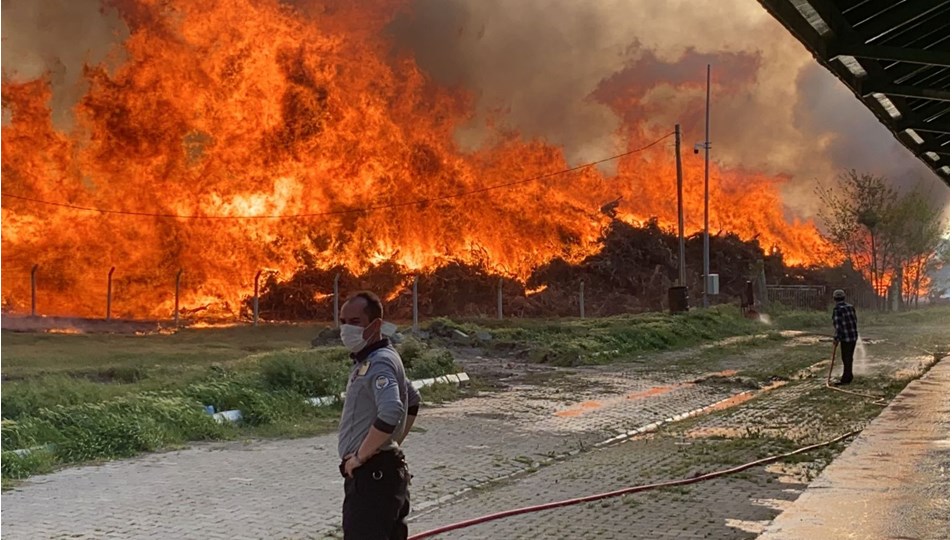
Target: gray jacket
379	395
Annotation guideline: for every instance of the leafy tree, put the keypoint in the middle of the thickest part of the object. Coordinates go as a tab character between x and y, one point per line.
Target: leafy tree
855	210
936	267
890	238
915	229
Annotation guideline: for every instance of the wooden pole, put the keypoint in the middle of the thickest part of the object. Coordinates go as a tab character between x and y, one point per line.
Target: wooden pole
178	282
33	290
109	294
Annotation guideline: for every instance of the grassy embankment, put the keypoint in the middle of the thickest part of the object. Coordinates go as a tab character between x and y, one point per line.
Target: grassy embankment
85	397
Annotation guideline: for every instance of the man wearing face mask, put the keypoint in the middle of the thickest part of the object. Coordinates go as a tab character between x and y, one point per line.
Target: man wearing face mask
380	407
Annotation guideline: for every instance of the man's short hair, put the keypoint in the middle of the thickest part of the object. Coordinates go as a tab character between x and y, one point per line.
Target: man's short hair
374	307
839	294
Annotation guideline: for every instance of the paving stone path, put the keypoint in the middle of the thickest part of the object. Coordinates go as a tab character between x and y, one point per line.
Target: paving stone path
528	443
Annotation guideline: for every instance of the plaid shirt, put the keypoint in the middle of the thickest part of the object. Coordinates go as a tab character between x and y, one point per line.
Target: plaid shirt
844	322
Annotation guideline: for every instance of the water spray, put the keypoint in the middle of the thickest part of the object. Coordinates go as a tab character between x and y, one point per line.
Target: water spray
878	400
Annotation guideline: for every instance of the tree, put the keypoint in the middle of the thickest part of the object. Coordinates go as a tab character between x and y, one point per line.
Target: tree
854	213
890	238
915	228
938	270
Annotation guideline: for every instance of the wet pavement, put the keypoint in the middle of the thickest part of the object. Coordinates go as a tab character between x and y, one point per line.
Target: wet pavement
892	482
535	438
291	488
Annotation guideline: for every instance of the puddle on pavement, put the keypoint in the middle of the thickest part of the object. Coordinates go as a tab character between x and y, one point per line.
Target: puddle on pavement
732	401
655	391
906	373
792	473
774	504
591	405
735	432
754	527
729	432
581	408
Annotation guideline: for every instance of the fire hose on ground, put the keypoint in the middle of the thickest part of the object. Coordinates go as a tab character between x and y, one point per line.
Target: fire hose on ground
624	491
878	400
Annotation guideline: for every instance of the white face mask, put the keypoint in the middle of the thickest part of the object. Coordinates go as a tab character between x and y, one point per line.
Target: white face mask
352	337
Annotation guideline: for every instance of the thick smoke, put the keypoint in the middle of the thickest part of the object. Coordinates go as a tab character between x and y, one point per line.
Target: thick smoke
57	38
533	64
580	74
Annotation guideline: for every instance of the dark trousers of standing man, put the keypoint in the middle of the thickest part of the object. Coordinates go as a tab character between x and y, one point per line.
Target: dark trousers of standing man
377	499
847	348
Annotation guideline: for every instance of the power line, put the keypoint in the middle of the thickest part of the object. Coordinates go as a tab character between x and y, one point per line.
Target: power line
342	212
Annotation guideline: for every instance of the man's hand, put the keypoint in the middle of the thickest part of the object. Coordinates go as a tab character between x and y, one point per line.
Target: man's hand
350	463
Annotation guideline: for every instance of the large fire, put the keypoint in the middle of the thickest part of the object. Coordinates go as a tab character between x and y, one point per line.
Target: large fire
238	135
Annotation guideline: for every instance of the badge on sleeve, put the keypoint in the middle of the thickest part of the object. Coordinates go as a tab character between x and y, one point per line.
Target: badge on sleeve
381	382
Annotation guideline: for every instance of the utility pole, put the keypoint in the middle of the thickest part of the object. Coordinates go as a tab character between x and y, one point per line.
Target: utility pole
178	283
109	294
707	159
337	300
682	277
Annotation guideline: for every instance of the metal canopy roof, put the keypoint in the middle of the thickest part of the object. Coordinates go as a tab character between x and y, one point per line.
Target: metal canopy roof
893	54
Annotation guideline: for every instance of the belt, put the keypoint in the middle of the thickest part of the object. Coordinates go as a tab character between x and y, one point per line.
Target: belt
394	455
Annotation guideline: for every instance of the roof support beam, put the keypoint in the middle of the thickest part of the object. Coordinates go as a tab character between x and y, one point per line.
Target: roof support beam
908	12
924	127
930	111
920	102
873	86
894	54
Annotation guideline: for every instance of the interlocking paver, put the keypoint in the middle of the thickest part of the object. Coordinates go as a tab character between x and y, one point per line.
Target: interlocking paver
290	489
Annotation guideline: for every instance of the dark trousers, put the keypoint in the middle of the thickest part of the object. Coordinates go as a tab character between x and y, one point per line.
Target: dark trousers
377	499
846	350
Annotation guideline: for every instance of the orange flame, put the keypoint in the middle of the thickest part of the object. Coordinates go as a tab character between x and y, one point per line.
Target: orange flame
245	109
536	290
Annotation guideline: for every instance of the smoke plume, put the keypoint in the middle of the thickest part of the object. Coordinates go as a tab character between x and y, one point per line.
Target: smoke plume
582	74
58	38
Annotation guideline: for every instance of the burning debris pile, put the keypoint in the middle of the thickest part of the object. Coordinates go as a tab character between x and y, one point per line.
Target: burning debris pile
211	140
630	273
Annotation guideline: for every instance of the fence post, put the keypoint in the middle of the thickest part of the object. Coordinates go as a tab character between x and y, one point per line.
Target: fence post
499	301
178	281
336	316
109	294
416	306
255	305
33	290
581	299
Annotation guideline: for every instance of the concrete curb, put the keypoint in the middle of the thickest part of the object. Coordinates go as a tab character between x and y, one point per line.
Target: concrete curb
234	415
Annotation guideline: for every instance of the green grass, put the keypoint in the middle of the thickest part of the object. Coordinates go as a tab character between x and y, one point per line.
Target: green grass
99	396
66	369
569	342
440	393
787	319
81	398
305	372
26	354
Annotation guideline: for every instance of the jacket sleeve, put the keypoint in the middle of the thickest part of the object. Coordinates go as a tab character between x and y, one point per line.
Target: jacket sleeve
413	399
382	378
838	330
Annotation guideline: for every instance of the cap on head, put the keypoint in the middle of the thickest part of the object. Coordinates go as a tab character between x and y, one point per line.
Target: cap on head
839	294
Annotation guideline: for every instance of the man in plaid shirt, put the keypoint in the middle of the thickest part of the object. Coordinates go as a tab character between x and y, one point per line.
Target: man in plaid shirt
845	333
